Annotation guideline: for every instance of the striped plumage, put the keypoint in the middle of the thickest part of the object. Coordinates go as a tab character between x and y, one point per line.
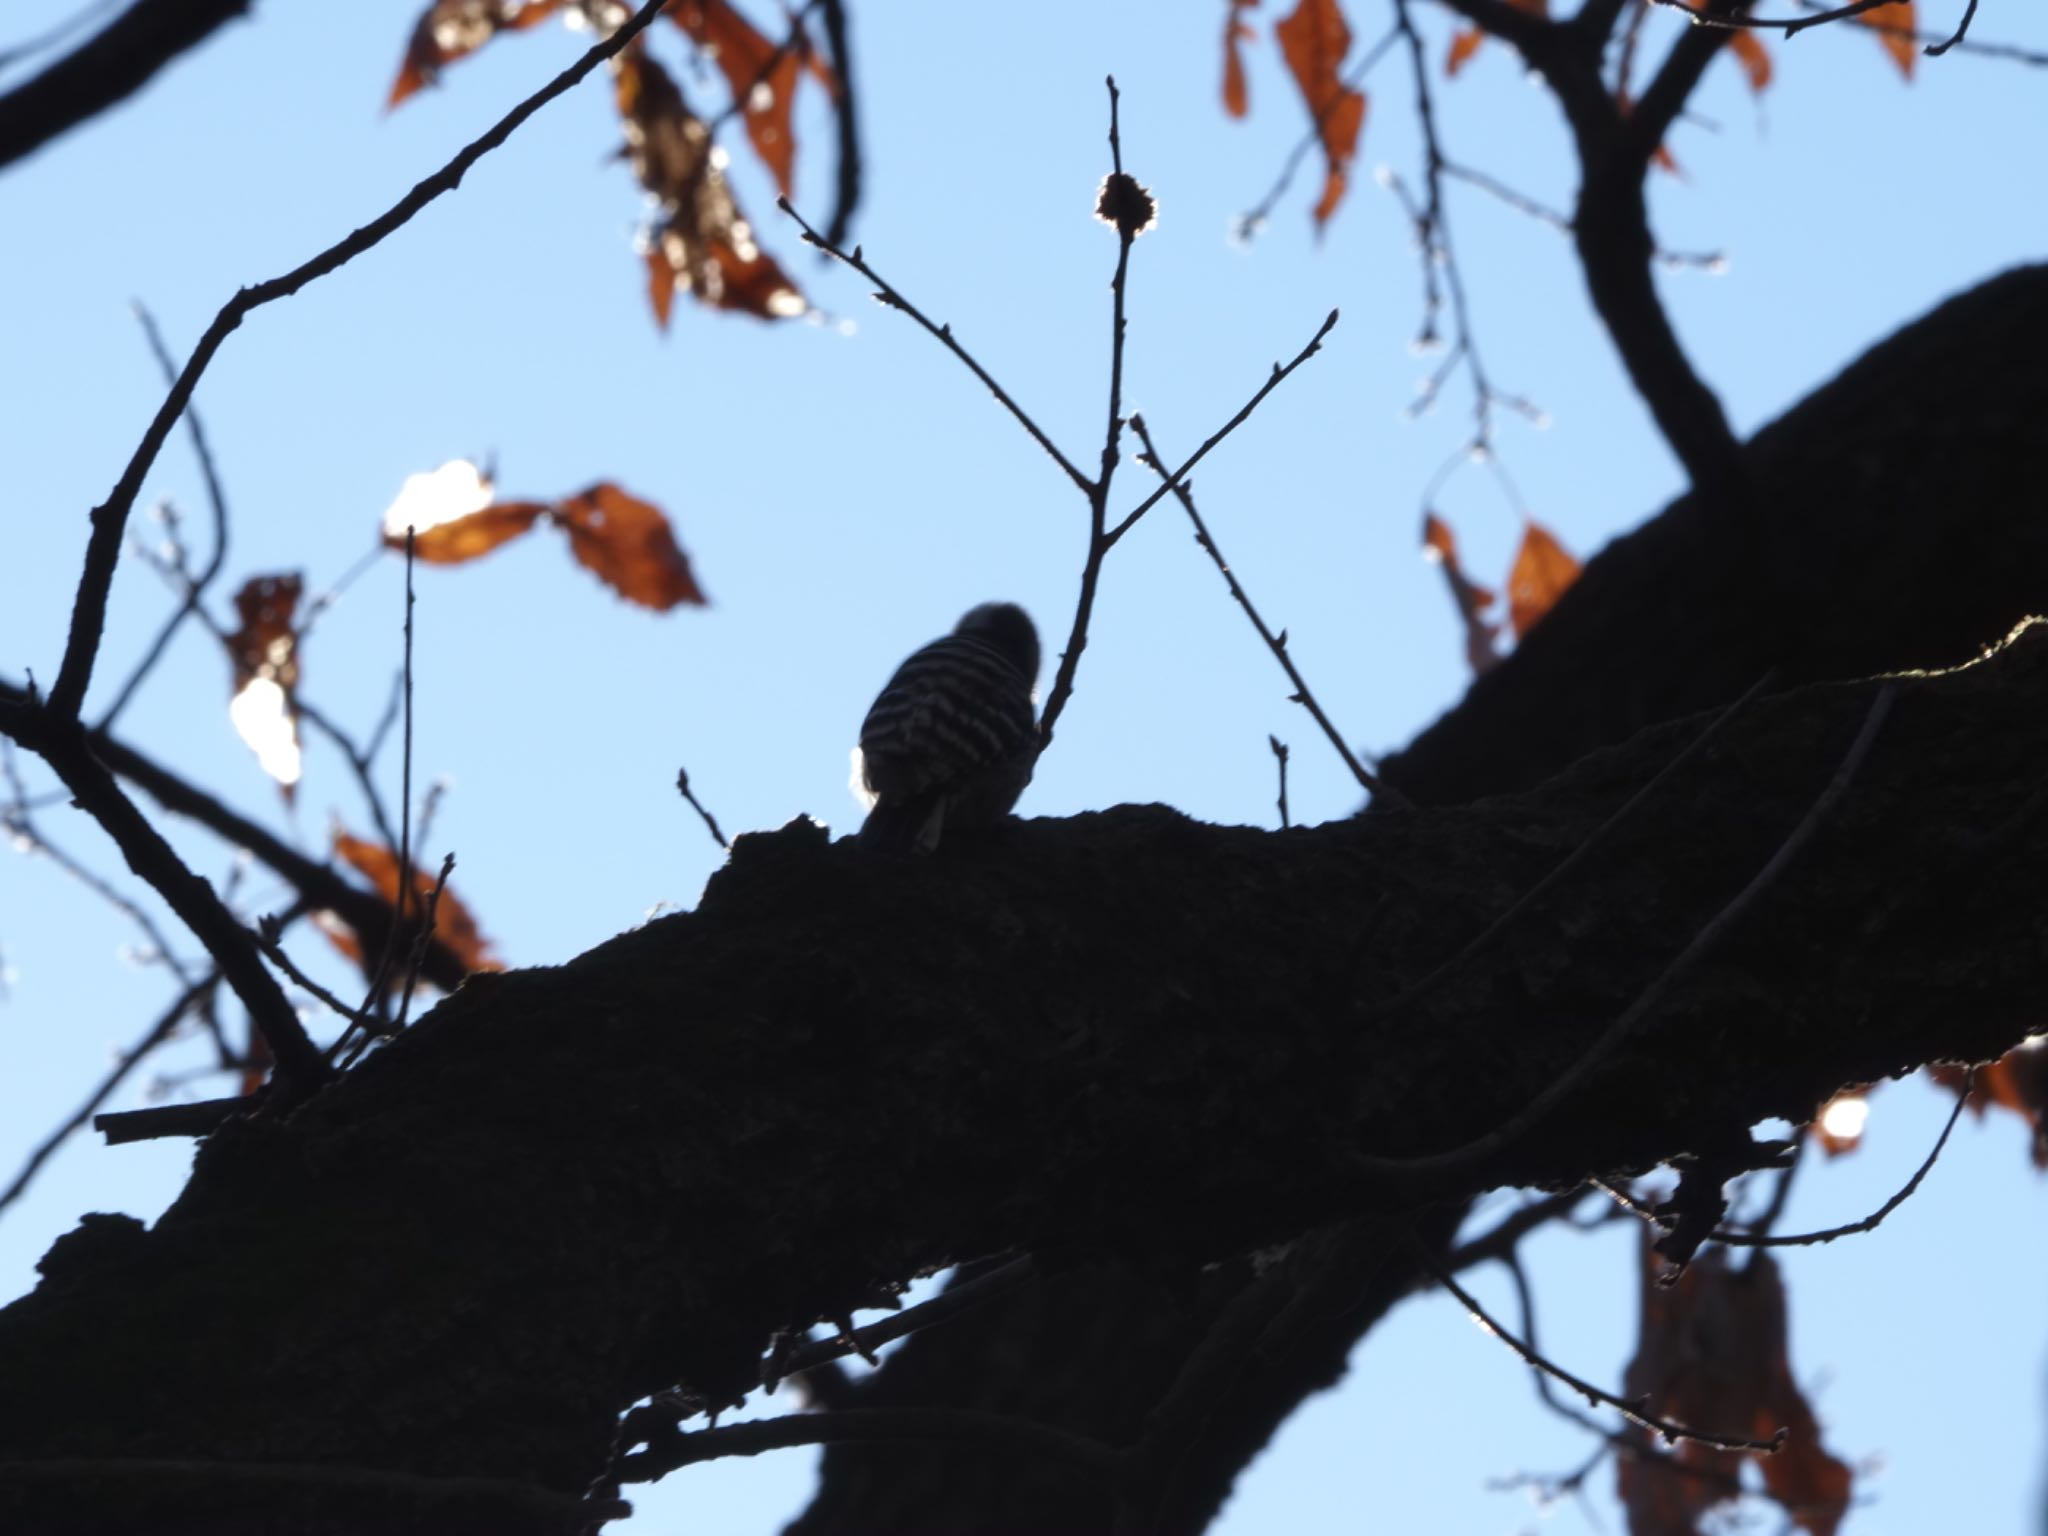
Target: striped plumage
950	743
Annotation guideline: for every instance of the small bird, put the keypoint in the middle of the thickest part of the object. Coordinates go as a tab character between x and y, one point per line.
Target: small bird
950	743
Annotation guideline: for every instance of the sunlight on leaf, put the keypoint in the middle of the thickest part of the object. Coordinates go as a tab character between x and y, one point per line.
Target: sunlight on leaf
263	654
453	29
425	501
1840	1124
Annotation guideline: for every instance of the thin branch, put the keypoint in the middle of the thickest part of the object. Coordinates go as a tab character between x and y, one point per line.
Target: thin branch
216	499
1277	644
1734	1239
710	821
66	746
419	944
668	1449
888	294
942	1308
51	36
1635	1411
846	190
1573	860
360	765
1482	1147
1934	44
1253	219
407	894
154	1036
269	937
110	518
106	69
1500	1240
1273	382
1936	50
1280	758
362	910
1734	21
1117	187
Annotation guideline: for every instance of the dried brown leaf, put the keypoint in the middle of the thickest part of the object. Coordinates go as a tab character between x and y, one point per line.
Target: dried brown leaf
263	653
629	544
1472	600
1754	57
702	238
453	29
761	76
1542	572
1713	1354
471	535
1314	38
453	924
1895	25
1237	99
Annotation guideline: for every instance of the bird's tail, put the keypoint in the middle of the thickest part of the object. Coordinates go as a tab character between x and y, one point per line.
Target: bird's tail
908	827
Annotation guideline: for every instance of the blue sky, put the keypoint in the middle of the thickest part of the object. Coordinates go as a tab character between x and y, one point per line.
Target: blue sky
845	490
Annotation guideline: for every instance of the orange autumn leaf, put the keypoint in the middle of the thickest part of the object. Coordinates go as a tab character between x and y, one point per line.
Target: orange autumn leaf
628	542
453	924
1464	43
1314	39
1895	25
473	534
263	654
453	29
1713	1353
2017	1081
1237	101
701	240
761	76
1754	57
1542	571
1471	599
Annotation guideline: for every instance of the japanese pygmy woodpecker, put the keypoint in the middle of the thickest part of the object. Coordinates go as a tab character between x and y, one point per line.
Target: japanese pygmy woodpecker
951	741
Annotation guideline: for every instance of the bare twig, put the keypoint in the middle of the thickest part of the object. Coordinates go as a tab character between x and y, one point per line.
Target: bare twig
269	936
1099	542
1734	20
1491	1143
110	518
1277	644
1936	50
710	821
152	1037
1635	1411
360	761
846	191
1936	44
1500	1240
1730	1238
942	1308
1250	222
1280	759
195	586
407	895
1278	376
887	293
419	944
667	1448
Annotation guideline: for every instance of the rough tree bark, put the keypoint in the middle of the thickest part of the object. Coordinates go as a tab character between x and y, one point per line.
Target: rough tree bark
422	1300
1908	512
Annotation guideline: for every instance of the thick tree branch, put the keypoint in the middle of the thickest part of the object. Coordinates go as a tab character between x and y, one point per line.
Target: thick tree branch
318	884
1125	1034
106	69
